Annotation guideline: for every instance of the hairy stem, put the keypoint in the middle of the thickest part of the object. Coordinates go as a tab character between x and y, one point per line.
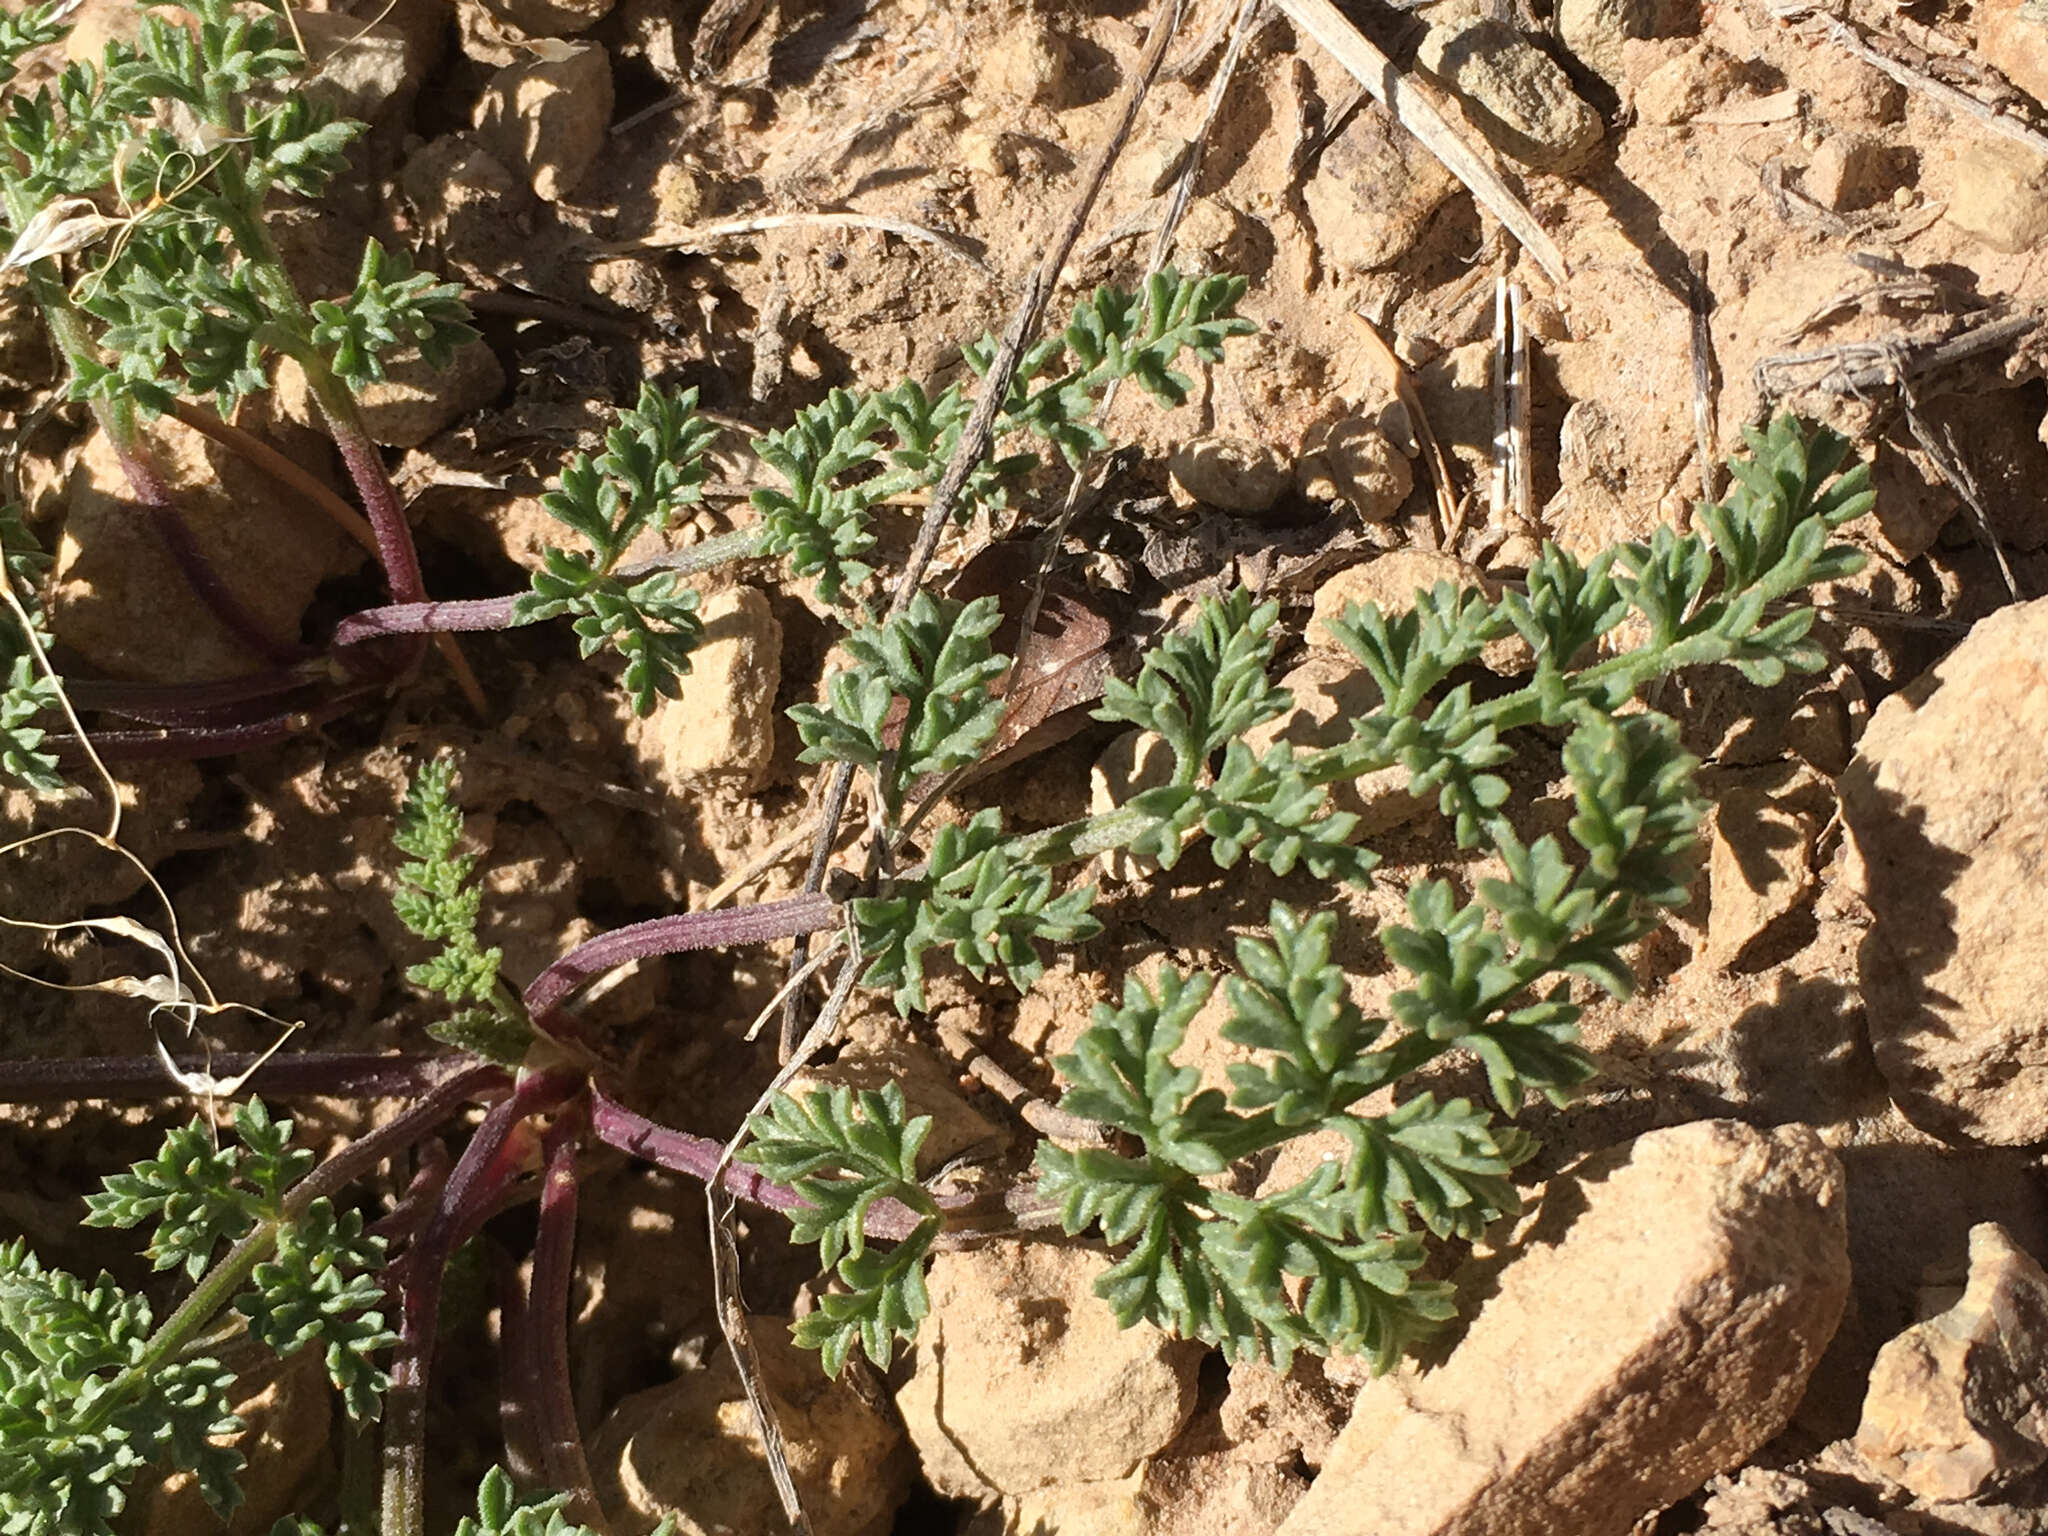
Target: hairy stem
312	1074
563	1460
220	1284
486	1169
668	936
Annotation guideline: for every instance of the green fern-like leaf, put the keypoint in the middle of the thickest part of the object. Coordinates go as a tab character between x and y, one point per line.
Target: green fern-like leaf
392	306
435	898
1203	687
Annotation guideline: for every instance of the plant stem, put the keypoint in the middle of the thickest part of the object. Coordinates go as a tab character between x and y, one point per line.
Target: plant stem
668	936
566	1465
339	1075
486	1169
479	614
220	1283
699	1157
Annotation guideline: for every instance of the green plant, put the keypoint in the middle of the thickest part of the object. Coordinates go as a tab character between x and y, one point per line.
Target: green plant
94	1391
1334	1261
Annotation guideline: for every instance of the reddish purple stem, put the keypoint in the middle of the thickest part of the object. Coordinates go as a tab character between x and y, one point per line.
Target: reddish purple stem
395	551
698	1156
462	616
161	506
339	1075
483	1173
563	1460
672	935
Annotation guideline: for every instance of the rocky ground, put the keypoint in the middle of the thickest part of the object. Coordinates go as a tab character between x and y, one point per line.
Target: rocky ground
1780	1268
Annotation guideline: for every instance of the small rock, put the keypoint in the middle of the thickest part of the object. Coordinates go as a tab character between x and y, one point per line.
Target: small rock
1026	63
1851	171
1514	92
1680	89
1228	472
1023	1379
1135	761
690	1449
466	203
1682	1284
722	725
2000	197
1351	461
1958	1405
1374	191
414	400
549	18
1152	167
2012	37
1330	691
549	120
1758	868
365	70
123	604
1947	804
1597	30
1392	580
1214	237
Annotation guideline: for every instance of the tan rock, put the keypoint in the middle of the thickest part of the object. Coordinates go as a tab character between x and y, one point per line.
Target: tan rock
1228	472
548	18
721	725
1651	1322
549	120
123	604
1597	31
369	70
1758	866
1958	1405
1133	762
1027	62
1947	802
1392	580
1680	89
2000	196
1351	461
1373	193
1024	1381
1330	691
1514	93
414	400
1851	171
2012	36
690	1449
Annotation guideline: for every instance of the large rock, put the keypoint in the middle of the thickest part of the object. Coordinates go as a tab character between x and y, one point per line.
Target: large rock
123	603
691	1449
1374	191
1958	1405
549	119
1999	196
1514	93
1024	1380
721	724
2012	35
1651	1322
1948	804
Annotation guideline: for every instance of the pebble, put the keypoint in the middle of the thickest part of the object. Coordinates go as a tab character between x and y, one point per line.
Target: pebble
1228	472
1515	94
722	723
1022	1379
2000	197
1958	1404
1351	461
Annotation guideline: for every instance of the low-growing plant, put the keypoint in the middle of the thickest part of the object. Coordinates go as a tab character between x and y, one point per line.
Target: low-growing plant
148	171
